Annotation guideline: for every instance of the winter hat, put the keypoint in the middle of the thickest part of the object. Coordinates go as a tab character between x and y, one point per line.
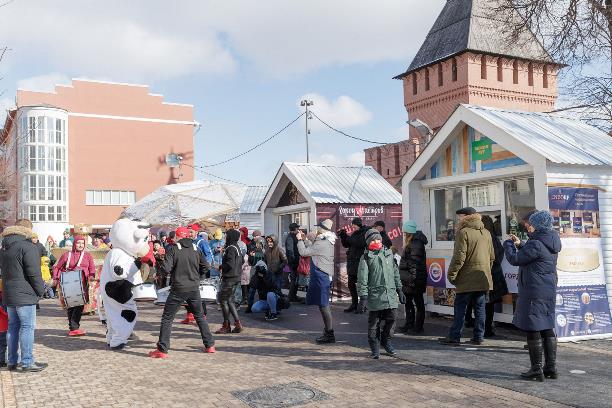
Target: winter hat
357	221
410	227
162	234
261	267
182	232
541	220
466	211
218	234
326	224
380	224
371	235
67	231
294	226
194	226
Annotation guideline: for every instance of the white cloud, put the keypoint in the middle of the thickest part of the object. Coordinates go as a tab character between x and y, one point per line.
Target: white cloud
149	40
43	83
5	105
353	159
344	112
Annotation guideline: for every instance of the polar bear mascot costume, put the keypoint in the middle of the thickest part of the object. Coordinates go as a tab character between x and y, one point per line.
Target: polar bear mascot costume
121	272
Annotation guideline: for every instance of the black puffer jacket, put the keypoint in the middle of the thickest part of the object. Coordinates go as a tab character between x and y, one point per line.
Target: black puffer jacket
356	245
413	266
500	287
186	265
20	266
264	284
231	266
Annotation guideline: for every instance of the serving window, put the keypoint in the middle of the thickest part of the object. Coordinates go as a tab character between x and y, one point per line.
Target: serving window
446	203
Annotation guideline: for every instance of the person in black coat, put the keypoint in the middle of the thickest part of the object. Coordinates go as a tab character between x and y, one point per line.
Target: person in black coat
380	227
356	245
231	272
22	289
500	287
413	273
293	260
187	266
263	283
537	290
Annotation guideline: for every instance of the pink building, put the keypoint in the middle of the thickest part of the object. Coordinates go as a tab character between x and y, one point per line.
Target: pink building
83	153
464	59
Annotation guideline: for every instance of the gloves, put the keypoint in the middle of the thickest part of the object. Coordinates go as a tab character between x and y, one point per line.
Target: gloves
402	297
118	270
361	307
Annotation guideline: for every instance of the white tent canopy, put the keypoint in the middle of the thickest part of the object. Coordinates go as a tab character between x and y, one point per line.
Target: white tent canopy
180	204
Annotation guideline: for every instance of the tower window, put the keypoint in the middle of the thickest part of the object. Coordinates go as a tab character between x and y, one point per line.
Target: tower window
500	69
454	69
414	84
483	67
515	72
440	75
427	79
545	76
530	74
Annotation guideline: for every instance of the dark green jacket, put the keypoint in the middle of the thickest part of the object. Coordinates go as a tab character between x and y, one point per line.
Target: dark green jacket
473	256
378	278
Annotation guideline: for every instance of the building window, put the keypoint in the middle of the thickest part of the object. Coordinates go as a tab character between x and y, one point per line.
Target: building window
483	67
110	197
440	75
500	69
530	74
446	202
414	84
44	213
454	69
388	171
545	76
427	79
515	72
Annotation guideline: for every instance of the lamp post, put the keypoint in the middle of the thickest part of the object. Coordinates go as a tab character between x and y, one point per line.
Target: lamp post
306	103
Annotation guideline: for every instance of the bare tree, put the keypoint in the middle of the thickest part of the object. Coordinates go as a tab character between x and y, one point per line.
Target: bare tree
577	33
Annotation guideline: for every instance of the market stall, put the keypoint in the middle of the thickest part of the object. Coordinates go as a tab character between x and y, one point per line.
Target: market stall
307	193
505	164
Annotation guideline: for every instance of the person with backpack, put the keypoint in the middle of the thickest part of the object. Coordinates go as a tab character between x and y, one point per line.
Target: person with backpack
231	271
200	239
380	288
186	265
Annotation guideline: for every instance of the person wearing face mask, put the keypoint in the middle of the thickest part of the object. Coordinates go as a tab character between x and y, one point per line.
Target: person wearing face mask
76	259
321	253
380	287
537	290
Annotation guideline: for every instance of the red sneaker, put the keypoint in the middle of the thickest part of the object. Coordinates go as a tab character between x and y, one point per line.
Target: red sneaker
157	354
76	333
210	349
189	319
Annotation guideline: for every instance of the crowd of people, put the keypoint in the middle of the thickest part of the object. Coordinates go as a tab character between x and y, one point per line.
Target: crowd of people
251	270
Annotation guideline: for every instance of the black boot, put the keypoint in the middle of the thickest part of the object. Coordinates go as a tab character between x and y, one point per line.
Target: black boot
375	347
327	337
535	356
550	357
351	308
409	325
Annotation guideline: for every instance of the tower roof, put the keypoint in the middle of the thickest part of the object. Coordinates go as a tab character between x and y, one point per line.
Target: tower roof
469	25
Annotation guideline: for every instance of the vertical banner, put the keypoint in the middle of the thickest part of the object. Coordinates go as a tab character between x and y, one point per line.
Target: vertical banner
342	215
582	307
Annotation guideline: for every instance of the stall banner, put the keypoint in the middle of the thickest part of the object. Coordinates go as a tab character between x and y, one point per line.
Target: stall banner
437	272
342	215
582	307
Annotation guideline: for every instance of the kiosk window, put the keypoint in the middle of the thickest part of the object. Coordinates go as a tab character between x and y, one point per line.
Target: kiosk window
446	203
520	201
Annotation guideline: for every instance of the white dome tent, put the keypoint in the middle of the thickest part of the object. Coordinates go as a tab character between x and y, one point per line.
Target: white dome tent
204	201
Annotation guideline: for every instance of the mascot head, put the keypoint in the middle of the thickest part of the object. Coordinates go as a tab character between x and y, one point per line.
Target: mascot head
130	236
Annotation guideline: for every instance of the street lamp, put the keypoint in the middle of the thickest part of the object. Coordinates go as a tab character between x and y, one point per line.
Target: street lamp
306	103
422	127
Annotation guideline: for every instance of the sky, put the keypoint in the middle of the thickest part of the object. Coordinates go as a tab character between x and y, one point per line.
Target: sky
244	65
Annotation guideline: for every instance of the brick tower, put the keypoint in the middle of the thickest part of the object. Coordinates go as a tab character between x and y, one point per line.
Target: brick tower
465	59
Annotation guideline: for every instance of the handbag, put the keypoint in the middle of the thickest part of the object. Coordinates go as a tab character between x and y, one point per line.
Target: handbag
304	266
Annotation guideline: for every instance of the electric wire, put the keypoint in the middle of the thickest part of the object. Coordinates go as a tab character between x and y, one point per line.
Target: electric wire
213	175
254	147
346	134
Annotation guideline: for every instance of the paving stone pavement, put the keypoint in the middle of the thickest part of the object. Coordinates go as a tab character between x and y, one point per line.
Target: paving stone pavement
83	373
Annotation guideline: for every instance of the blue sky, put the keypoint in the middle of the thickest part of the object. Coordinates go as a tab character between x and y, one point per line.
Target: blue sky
244	65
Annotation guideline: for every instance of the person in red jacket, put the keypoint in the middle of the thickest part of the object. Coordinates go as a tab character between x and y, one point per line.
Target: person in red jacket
72	260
